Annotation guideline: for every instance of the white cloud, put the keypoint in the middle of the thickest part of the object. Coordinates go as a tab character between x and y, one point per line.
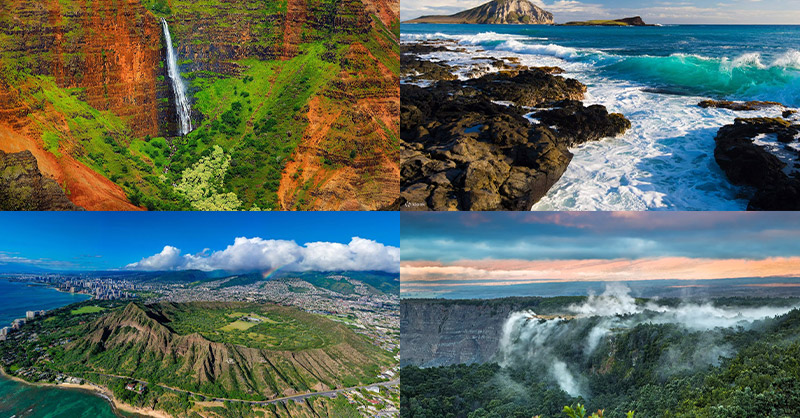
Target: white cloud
169	258
257	254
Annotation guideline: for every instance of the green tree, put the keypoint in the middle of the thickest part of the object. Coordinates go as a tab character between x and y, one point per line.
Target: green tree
202	184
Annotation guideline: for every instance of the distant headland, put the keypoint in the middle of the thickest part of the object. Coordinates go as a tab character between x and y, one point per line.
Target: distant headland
628	21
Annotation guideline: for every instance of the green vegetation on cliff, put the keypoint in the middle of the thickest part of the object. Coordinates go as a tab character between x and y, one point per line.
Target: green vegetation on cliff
657	370
100	93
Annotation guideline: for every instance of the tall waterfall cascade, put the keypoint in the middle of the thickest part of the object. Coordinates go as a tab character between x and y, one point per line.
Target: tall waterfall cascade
182	107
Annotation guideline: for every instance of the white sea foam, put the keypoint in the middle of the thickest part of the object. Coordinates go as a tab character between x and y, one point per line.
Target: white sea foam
537	49
752	59
790	59
664	162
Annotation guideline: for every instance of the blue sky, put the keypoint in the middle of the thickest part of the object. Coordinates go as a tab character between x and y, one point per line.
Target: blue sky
664	12
110	240
441	252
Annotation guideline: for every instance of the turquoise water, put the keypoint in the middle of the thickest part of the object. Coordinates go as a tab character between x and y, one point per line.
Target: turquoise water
734	62
21	400
655	76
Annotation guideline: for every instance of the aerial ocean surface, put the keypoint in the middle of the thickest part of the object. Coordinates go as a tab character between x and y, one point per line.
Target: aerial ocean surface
21	400
655	76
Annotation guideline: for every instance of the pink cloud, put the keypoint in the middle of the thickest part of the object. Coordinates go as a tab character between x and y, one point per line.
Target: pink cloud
505	272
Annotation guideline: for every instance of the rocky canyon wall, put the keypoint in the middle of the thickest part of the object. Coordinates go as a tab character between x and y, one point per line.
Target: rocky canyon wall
441	333
110	49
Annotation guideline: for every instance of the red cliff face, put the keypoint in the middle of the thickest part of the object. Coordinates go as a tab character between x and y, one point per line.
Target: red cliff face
115	59
112	49
109	49
360	107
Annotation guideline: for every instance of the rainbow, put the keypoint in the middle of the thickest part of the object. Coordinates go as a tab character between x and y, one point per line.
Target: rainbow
269	273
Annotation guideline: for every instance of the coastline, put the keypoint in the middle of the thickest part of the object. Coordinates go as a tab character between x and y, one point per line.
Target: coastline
668	159
98	390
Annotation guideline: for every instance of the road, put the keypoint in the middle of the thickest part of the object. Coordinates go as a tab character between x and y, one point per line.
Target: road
329	393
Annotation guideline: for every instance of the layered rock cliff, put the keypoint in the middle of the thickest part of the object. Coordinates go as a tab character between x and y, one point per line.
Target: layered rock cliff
441	333
53	54
111	50
510	12
22	186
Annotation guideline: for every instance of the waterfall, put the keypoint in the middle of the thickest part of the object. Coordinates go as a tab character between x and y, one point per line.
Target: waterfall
182	107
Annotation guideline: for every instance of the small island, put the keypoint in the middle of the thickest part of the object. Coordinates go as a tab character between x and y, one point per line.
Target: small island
628	21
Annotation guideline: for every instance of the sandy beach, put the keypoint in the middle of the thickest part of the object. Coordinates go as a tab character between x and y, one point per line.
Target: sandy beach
100	390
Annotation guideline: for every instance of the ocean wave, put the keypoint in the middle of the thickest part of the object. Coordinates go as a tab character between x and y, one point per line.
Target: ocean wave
424	36
791	59
552	50
743	77
748	76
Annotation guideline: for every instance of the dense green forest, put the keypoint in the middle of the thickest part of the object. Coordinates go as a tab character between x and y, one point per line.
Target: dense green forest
654	369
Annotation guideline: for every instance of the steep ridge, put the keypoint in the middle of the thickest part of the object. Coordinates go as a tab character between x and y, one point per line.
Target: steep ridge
22	186
510	12
137	342
347	159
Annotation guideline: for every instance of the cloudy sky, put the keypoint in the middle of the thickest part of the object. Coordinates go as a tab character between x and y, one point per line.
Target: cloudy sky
664	12
232	241
444	252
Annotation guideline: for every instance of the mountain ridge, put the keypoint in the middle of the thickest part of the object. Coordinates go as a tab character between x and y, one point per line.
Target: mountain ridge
138	341
509	12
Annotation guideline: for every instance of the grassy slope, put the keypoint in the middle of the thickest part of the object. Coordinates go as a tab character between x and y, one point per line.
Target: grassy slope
127	355
105	144
258	119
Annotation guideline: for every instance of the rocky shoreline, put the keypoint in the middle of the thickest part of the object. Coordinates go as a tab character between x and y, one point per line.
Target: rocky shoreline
498	140
763	154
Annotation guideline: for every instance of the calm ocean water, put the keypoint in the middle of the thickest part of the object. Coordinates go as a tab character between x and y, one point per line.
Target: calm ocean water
655	76
21	400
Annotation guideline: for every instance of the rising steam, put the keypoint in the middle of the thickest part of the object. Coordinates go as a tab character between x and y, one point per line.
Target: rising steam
538	343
